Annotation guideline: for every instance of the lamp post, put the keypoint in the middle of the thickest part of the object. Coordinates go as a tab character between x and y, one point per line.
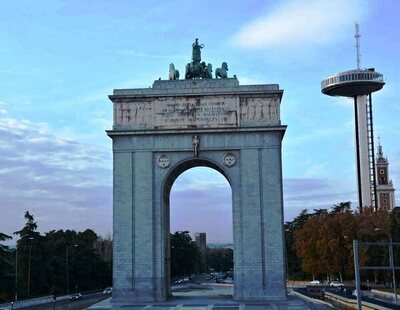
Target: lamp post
29	267
66	258
391	262
16	273
357	274
29	270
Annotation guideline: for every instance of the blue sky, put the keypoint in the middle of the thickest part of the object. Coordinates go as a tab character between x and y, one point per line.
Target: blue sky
60	59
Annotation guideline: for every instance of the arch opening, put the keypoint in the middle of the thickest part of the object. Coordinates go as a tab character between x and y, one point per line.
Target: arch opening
198	198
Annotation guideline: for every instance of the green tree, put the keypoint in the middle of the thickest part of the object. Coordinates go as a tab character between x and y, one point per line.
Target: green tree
6	269
341	207
31	264
220	260
42	261
185	256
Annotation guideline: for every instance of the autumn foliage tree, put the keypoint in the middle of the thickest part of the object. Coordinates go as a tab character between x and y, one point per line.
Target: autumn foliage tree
324	242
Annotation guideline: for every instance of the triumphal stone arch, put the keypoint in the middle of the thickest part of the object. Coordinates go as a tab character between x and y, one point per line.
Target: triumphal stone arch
161	131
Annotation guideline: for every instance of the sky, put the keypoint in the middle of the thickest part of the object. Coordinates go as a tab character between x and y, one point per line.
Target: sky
59	60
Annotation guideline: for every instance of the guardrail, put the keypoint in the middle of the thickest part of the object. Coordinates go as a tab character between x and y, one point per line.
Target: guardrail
384	294
348	303
28	302
32	302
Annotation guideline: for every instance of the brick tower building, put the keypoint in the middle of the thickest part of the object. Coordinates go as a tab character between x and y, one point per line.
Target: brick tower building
384	188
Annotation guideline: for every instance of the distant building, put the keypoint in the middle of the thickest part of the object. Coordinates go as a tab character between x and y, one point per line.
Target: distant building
384	187
201	241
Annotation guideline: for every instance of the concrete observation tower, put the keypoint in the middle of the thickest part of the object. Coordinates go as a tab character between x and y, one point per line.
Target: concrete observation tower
359	84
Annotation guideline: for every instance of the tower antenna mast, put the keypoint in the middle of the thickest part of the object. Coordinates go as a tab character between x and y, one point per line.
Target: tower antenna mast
357	36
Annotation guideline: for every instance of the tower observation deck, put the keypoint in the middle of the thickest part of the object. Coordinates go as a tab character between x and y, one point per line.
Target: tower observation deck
352	83
359	84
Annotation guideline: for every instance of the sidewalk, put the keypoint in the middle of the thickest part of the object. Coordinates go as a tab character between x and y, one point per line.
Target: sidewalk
209	297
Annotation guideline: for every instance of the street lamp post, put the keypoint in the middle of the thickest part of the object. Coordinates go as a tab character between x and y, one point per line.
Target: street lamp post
66	258
357	274
29	266
29	270
391	262
16	274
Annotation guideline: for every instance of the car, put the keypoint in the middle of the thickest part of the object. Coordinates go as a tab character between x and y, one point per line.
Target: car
75	296
336	284
107	291
315	282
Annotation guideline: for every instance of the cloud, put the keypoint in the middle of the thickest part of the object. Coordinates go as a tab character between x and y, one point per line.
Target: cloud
135	53
63	181
200	206
32	72
313	193
301	23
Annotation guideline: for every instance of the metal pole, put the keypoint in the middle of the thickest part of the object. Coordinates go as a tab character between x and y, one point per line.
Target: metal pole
391	260
29	271
66	257
357	273
16	274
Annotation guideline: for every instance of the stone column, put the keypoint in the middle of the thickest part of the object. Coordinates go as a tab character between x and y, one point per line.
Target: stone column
259	253
123	227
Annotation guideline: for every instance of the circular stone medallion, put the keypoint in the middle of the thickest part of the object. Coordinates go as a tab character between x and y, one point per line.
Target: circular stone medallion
163	161
229	159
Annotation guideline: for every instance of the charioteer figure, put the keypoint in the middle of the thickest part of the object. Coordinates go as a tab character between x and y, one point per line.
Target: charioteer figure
197	68
196	51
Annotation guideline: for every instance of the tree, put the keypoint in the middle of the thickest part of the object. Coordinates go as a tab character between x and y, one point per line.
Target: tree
321	242
293	261
185	255
373	226
341	207
31	263
42	261
6	269
220	260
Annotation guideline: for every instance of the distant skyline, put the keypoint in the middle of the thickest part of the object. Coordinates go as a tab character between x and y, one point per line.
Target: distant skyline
59	60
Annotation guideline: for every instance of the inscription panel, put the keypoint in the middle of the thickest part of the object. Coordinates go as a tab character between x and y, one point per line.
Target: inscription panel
196	112
192	112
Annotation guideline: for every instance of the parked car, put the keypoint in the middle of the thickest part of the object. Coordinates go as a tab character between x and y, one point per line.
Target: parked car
336	284
75	296
107	291
315	282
